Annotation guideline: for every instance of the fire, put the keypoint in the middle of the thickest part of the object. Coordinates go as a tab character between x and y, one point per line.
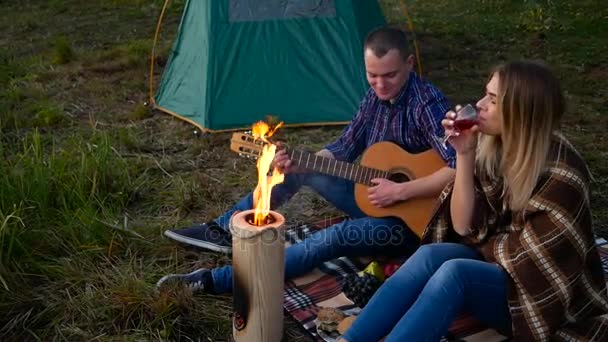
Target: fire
261	195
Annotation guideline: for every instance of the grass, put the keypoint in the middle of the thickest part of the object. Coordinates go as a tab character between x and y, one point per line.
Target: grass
89	177
63	51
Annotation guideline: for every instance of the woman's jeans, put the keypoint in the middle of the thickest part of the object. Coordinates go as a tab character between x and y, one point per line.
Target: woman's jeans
436	284
361	236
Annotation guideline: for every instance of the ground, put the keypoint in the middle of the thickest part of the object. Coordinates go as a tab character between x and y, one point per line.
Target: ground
90	177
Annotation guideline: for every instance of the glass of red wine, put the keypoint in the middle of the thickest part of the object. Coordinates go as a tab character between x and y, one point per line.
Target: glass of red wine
466	118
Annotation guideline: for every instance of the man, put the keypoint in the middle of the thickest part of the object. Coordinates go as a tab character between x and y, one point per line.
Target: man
399	107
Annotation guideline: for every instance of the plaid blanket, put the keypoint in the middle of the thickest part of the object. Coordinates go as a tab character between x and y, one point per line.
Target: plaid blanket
322	287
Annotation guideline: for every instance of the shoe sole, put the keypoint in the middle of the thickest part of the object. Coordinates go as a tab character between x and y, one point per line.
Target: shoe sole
177	277
197	243
162	280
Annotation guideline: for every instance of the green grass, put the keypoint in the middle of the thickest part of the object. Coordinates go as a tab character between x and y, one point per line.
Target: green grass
90	177
63	53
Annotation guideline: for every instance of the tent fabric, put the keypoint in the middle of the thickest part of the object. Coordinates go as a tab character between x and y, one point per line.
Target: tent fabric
298	60
251	10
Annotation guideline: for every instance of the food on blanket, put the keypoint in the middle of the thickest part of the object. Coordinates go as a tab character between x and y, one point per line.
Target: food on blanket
345	324
360	288
329	318
374	269
390	268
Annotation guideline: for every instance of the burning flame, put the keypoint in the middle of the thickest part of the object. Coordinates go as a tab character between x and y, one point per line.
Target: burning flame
261	195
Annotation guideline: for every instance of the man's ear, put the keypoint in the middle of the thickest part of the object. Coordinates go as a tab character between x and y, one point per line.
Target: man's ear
410	61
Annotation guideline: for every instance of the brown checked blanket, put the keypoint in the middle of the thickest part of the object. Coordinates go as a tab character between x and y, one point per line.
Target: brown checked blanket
322	288
304	296
557	289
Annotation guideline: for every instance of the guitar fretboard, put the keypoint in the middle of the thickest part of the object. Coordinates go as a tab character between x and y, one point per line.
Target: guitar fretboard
356	173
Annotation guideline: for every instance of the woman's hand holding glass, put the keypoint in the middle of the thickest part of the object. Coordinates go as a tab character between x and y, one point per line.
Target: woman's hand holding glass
461	129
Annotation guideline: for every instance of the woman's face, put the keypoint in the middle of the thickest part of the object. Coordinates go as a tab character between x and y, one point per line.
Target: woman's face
490	120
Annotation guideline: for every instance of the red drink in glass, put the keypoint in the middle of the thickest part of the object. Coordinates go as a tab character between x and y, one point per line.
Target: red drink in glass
464	124
466	117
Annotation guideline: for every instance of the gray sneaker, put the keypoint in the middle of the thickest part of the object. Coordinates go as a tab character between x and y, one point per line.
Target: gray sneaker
207	236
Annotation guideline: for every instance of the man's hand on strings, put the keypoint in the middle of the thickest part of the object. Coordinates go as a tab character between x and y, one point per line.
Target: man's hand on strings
384	193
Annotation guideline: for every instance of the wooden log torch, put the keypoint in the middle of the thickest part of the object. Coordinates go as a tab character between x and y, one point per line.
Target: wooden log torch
258	277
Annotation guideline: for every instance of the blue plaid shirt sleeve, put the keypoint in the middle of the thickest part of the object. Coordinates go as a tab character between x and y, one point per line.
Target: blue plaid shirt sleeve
353	140
431	118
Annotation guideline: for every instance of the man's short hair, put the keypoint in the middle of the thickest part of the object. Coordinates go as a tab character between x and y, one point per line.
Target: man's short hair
384	39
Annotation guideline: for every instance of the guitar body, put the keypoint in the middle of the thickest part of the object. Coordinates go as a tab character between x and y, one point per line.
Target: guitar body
387	156
383	159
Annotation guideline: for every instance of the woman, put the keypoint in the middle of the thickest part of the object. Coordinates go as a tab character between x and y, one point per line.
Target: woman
516	247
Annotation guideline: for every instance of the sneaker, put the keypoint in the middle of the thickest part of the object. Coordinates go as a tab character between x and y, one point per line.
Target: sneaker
197	281
207	235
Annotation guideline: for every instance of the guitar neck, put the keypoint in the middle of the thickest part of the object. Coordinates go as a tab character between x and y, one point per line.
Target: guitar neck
353	172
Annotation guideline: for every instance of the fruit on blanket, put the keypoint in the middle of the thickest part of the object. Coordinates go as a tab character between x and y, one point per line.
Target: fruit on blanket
374	269
329	318
360	288
345	324
390	268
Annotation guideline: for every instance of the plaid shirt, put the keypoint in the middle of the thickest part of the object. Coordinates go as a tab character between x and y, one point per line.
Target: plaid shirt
413	122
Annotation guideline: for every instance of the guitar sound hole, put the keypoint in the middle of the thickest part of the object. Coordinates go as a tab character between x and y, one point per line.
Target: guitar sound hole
399	177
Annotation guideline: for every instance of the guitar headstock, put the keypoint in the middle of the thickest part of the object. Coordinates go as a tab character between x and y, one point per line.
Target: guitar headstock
246	145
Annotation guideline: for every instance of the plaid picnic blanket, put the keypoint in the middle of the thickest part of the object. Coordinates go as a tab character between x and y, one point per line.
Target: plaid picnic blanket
322	287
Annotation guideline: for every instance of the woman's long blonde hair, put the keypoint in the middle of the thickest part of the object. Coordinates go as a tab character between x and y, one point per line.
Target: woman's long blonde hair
531	103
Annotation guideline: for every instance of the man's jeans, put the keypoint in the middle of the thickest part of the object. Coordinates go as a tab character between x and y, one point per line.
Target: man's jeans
361	236
438	282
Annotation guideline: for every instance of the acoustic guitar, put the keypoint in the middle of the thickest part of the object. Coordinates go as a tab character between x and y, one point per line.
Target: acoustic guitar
381	160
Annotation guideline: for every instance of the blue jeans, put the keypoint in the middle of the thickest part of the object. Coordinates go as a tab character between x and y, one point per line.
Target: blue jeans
361	236
438	282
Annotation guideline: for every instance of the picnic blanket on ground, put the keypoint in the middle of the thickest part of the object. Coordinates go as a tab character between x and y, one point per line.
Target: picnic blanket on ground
322	287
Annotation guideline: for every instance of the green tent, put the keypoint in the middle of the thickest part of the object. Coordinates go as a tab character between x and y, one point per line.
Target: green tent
236	61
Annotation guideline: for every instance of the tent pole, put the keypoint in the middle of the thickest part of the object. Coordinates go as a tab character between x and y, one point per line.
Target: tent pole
153	56
411	27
